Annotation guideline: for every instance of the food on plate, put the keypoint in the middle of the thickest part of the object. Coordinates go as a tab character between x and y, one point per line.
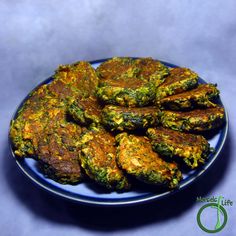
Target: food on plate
202	96
129	118
98	159
151	70
31	120
46	102
136	157
79	79
68	125
179	80
126	91
192	148
86	110
195	120
113	68
58	151
130	82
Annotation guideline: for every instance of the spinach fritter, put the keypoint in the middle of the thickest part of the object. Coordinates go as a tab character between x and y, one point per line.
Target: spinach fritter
78	79
86	110
151	70
127	118
126	91
98	159
202	96
70	81
58	153
195	120
115	67
192	148
179	80
136	157
130	82
31	121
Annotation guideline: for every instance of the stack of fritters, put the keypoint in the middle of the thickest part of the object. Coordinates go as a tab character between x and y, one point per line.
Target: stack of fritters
73	126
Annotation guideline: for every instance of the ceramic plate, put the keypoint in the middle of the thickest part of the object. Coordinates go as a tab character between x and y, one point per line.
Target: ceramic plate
88	193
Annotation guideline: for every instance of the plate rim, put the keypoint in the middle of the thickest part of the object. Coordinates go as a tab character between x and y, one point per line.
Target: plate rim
93	201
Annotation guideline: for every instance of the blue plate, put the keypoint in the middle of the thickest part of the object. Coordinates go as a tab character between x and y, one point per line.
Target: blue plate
90	194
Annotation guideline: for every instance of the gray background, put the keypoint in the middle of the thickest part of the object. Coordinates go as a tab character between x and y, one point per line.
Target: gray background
36	36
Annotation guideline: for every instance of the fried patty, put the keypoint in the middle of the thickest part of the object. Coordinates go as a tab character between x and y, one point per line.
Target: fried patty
79	78
98	159
126	91
202	96
127	118
151	70
193	149
115	67
31	120
195	120
179	80
70	81
136	157
58	152
86	110
130	82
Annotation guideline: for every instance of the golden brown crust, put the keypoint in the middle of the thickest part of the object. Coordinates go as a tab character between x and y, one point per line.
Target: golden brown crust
58	153
179	80
86	110
192	148
127	118
195	120
98	159
136	157
202	96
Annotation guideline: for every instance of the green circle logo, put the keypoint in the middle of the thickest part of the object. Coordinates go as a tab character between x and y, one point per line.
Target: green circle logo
220	211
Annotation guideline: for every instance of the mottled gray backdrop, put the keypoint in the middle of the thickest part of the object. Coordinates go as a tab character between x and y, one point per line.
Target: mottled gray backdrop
36	36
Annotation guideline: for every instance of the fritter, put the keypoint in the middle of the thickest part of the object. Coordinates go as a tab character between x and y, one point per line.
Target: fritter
179	80
202	96
130	82
98	159
151	70
195	120
127	118
136	157
86	110
58	153
70	81
113	68
63	91
193	149
126	91
79	78
31	120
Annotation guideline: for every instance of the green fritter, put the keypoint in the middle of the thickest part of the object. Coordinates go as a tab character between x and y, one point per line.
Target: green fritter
193	149
127	118
195	120
202	96
58	153
136	157
115	67
179	80
126	91
86	110
98	159
63	91
79	77
31	120
70	82
151	70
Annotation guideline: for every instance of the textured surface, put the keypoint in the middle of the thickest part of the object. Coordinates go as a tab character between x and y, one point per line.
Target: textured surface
36	36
